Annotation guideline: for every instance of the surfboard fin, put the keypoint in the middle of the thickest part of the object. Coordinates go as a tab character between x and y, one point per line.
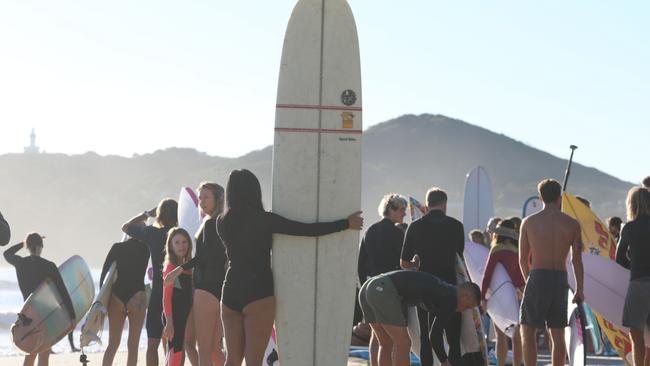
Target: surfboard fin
23	320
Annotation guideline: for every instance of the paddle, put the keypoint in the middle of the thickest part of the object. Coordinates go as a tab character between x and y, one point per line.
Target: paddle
581	311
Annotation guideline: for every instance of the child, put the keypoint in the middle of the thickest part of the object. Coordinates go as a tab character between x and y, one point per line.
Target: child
177	297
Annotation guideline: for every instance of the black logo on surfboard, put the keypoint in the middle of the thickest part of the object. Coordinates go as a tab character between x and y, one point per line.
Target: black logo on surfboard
348	97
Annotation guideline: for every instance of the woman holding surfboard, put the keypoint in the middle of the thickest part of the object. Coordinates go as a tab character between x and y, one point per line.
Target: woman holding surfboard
128	299
209	265
248	302
504	251
633	252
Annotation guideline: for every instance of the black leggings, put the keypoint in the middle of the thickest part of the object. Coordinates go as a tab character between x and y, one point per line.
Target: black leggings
429	337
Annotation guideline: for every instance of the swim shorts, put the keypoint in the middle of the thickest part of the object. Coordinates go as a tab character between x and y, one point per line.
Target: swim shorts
545	299
636	313
381	303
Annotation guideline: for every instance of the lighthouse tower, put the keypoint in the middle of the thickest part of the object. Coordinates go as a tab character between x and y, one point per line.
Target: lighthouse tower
32	148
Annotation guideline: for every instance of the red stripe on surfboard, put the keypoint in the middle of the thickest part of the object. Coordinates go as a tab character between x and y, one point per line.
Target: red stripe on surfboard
321	107
318	130
193	196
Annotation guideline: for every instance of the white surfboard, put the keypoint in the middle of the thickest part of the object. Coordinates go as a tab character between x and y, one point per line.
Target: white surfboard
478	207
574	336
605	286
502	303
189	214
94	323
317	177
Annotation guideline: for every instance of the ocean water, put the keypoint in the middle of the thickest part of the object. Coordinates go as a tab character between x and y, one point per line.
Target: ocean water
11	301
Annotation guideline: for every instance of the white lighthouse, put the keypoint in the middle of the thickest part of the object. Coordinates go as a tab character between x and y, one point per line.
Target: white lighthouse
32	148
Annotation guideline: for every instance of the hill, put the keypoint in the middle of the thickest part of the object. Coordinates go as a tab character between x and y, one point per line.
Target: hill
79	202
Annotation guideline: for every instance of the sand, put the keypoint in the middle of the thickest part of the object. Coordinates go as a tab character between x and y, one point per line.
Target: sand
71	359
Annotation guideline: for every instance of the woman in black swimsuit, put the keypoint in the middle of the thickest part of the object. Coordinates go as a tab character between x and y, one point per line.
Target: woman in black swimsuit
128	299
209	265
246	229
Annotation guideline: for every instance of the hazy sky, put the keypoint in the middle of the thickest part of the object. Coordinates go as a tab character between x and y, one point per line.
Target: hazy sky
124	77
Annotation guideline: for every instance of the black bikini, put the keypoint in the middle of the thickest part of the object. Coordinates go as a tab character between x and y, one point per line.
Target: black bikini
209	263
131	258
247	236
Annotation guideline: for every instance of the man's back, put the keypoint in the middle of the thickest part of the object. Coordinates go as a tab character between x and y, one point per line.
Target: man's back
436	238
380	249
550	234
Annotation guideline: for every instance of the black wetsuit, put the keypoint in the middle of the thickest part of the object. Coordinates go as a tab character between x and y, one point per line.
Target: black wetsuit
436	238
210	259
178	303
155	238
380	249
34	270
247	237
5	231
131	258
635	237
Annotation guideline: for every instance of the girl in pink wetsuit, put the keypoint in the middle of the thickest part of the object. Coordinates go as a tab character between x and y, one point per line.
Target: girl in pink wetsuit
177	296
505	251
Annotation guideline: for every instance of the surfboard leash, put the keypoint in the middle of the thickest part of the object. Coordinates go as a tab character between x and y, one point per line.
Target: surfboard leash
83	359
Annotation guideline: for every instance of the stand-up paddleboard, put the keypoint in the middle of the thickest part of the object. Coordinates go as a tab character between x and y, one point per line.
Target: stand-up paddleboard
189	214
473	345
43	320
94	323
478	207
317	177
502	303
532	206
574	336
598	241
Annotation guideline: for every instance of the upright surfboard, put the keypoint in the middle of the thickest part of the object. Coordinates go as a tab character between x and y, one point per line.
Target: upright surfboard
317	177
189	214
531	206
44	319
94	323
478	207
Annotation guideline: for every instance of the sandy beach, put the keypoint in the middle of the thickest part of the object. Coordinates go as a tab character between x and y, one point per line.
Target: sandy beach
70	359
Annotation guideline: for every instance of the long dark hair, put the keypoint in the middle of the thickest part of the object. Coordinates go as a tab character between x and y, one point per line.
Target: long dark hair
243	192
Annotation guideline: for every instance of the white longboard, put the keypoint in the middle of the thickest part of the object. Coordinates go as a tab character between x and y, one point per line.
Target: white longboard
478	207
317	178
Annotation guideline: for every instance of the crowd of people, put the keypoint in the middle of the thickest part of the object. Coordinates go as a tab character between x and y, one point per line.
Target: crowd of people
534	253
225	291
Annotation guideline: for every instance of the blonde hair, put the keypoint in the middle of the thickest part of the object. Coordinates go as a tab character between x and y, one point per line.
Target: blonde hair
217	192
391	201
638	202
170	257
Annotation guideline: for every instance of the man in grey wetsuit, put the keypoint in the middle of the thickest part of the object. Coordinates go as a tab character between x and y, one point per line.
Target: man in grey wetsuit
385	298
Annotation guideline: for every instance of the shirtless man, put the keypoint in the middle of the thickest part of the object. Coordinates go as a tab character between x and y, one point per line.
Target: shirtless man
544	243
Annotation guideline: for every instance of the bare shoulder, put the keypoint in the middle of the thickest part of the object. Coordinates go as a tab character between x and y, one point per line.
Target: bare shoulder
570	221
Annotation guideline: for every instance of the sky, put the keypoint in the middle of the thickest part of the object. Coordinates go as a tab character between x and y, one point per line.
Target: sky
125	77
